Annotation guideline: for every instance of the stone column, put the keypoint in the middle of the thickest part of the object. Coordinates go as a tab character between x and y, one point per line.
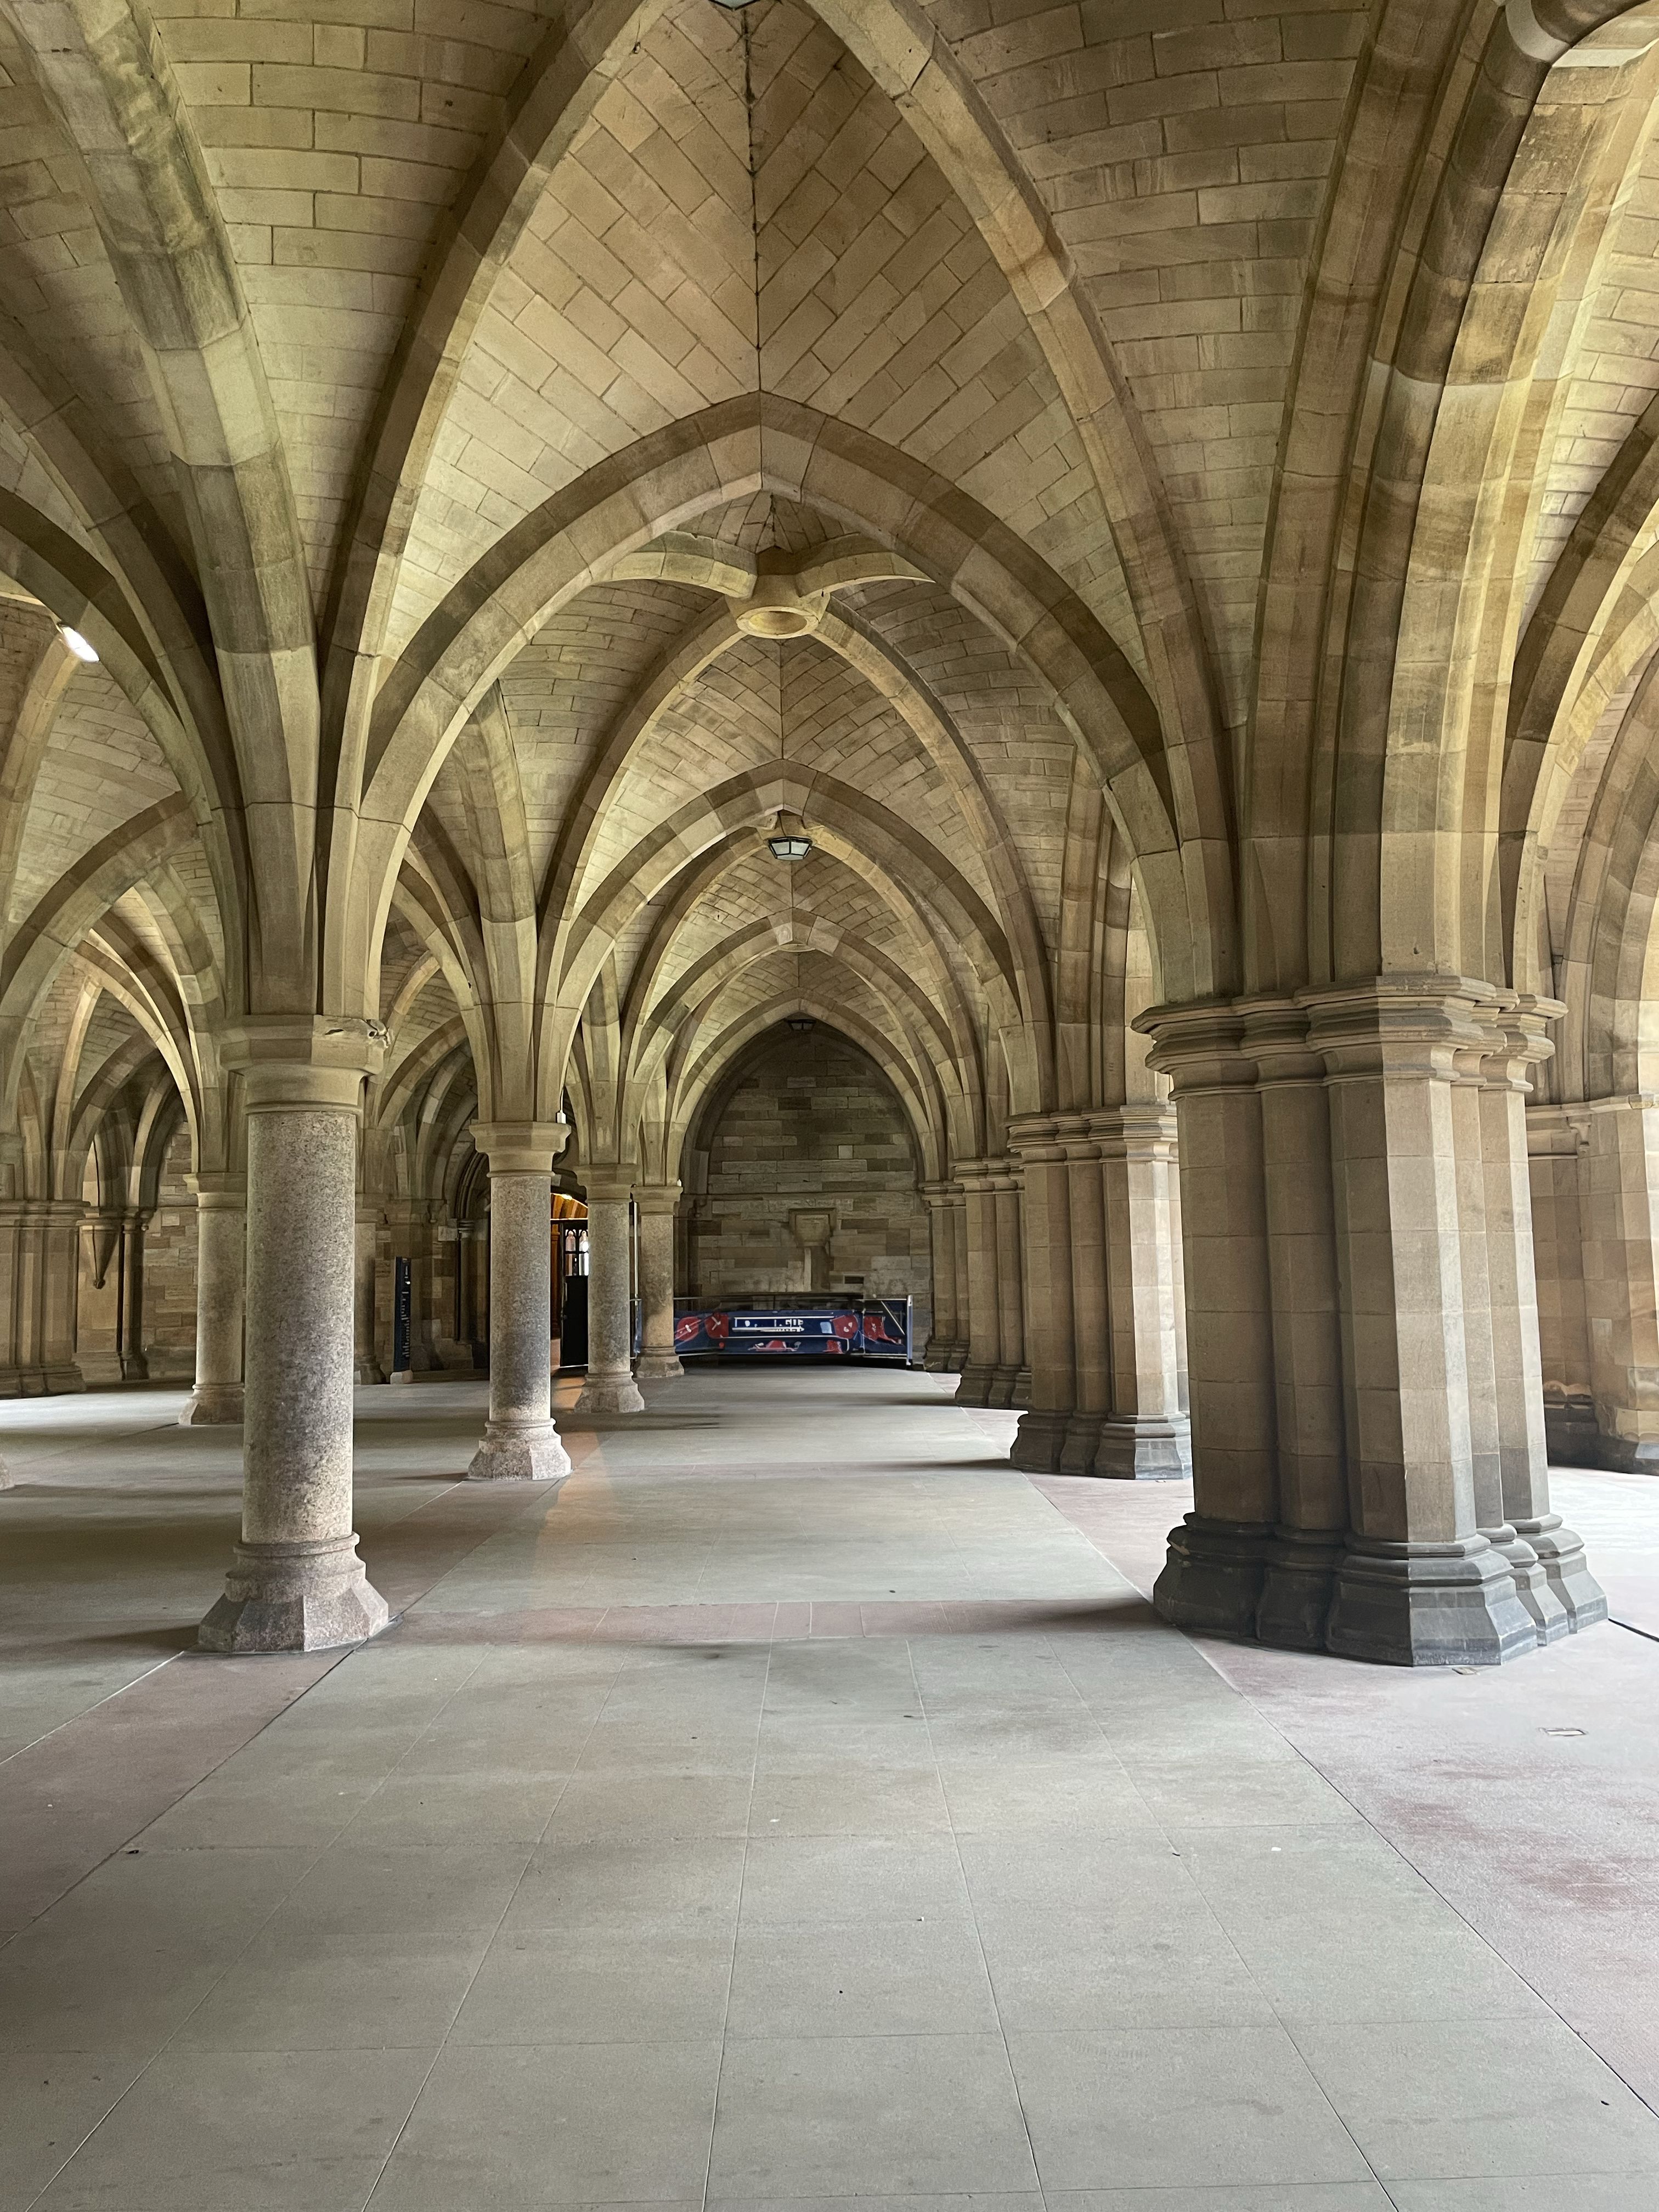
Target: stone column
59	1276
1147	1435
1556	1139
521	1444
1479	1345
221	1258
1299	1570
1046	1268
1212	1578
1620	1209
959	1204
16	1364
609	1387
297	1583
129	1344
657	1203
1541	1549
1011	1378
941	1244
366	1364
1091	1328
983	1307
1418	1583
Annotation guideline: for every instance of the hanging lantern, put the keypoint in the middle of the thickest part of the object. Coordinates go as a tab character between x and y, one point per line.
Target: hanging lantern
788	839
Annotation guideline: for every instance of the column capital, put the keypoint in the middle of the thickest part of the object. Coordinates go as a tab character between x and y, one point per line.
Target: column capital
604	1179
1398	1023
520	1147
657	1197
1198	1045
1142	1129
303	1061
1559	1129
217	1191
1518	1039
1036	1138
1275	1030
974	1176
940	1193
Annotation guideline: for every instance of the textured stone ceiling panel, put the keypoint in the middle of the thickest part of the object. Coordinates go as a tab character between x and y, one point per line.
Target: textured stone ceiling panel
102	766
336	140
1615	374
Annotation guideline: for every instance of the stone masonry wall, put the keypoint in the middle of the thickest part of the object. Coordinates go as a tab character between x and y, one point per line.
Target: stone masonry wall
812	1122
170	1270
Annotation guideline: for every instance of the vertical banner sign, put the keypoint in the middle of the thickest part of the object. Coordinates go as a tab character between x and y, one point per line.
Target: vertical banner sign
400	1311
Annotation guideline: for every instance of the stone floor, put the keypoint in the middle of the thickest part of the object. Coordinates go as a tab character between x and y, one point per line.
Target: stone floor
803	1806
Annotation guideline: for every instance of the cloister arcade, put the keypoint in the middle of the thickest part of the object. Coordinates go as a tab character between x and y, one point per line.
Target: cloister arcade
1164	501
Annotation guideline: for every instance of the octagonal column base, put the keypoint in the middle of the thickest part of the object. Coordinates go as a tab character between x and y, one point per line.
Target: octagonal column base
212	1405
609	1393
294	1597
519	1452
1451	1604
1144	1448
1212	1578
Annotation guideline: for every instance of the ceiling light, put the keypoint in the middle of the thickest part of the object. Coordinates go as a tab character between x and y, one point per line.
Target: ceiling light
78	645
788	839
801	1023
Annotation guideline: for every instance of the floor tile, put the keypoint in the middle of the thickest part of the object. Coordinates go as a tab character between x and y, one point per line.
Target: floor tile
274	2131
586	2123
301	1987
611	1880
886	1978
858	2116
791	1879
1494	2097
1186	2106
1051	1973
666	1982
49	2100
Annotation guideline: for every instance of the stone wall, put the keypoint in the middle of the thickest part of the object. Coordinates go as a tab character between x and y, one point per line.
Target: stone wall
811	1123
170	1270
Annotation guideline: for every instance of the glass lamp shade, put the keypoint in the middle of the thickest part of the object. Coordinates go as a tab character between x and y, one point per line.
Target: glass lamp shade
789	847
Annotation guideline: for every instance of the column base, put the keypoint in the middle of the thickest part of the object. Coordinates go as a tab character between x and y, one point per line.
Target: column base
294	1597
1571	1436
1212	1579
936	1359
609	1393
211	1405
369	1370
1039	1441
1532	1586
1077	1454
1002	1389
1134	1448
1299	1576
532	1453
974	1388
1560	1554
1614	1455
1021	1393
1428	1605
658	1367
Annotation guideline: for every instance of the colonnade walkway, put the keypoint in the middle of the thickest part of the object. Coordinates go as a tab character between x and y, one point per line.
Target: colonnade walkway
801	1805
